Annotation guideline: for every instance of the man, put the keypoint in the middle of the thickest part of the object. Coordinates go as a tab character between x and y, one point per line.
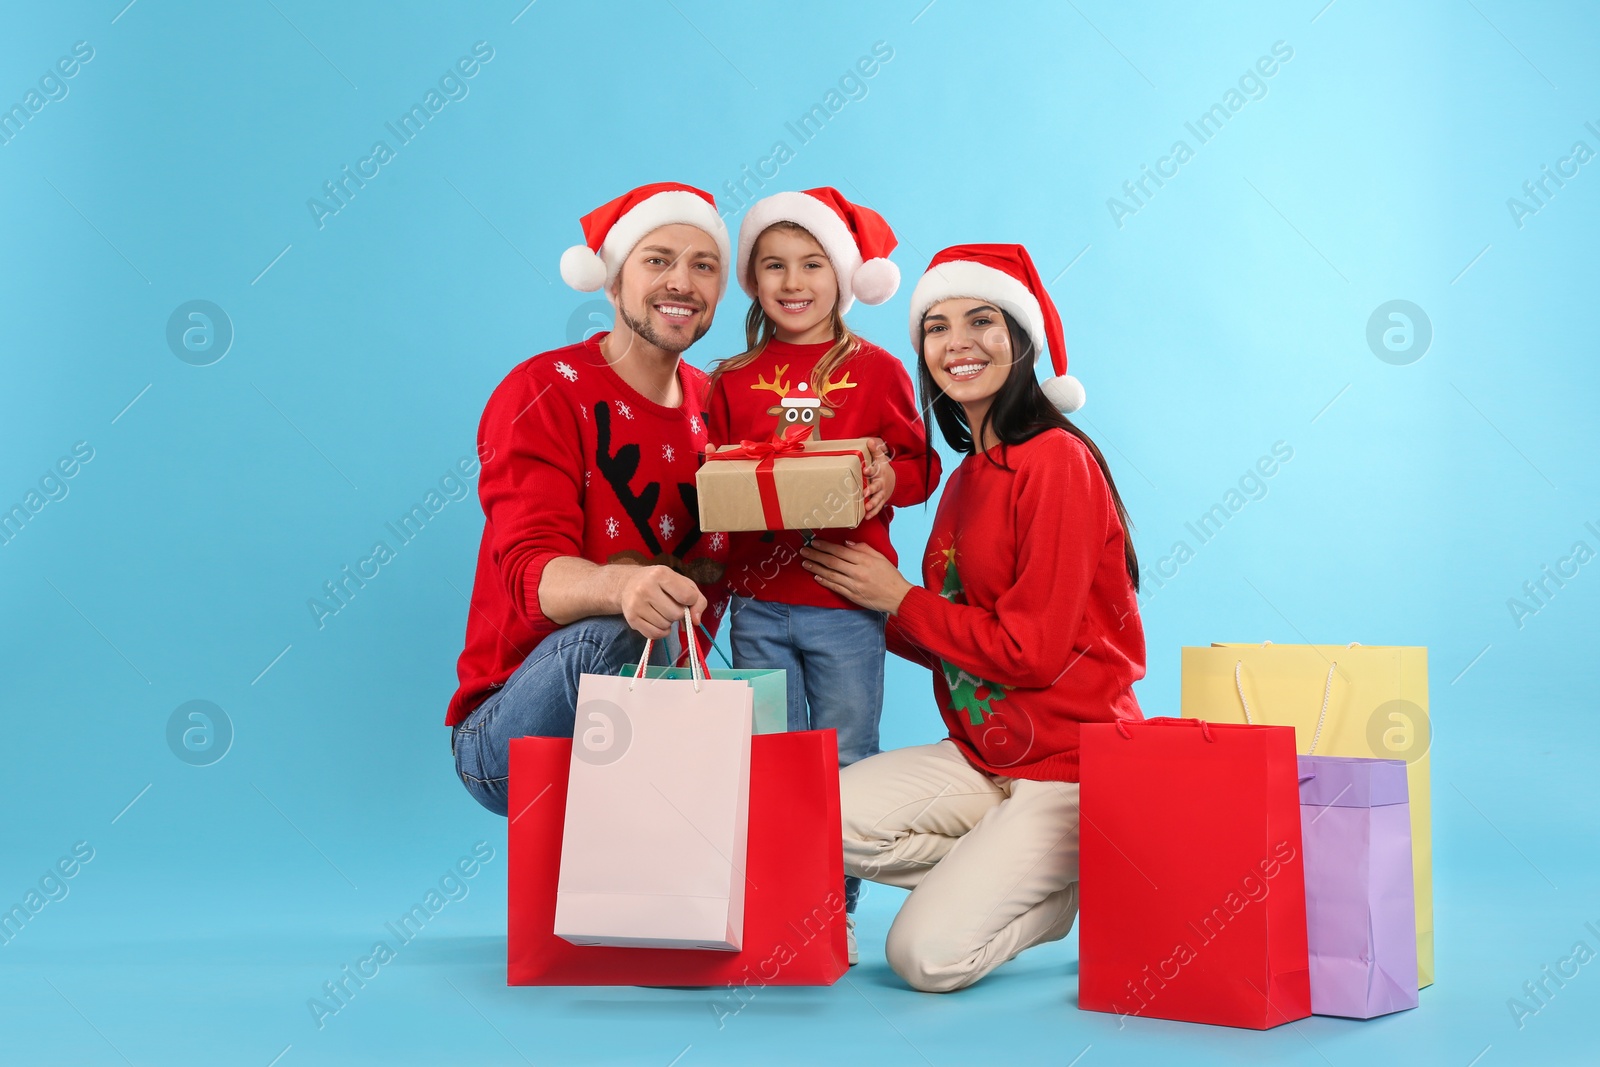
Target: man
591	539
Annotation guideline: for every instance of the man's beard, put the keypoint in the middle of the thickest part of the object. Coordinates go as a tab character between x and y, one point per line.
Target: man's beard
644	329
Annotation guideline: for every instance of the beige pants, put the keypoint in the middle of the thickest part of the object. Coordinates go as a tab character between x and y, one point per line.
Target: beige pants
992	863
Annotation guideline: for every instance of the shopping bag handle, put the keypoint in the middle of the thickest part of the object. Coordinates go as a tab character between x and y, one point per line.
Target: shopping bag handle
1327	690
691	647
1205	727
711	643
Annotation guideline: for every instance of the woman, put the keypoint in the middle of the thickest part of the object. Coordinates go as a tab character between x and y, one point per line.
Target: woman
1028	618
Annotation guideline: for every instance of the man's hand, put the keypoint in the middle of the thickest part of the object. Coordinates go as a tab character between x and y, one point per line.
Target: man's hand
652	600
880	477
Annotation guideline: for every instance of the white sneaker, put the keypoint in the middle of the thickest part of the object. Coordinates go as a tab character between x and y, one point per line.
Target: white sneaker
852	951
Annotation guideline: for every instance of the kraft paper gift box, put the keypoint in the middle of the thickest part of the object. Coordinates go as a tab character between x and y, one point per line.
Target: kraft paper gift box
1355	823
1372	701
790	483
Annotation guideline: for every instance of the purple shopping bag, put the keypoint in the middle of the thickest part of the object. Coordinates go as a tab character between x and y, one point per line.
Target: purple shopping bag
1355	822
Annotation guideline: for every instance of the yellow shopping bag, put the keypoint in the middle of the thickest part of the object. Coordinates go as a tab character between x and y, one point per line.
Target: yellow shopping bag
1346	700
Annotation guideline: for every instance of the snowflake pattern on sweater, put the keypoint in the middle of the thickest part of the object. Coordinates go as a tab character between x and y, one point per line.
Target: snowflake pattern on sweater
579	464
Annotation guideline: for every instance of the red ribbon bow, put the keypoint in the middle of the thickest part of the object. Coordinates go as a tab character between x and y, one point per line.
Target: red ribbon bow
791	443
767	453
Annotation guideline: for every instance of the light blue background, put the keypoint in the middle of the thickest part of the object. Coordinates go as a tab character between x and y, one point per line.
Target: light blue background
1229	313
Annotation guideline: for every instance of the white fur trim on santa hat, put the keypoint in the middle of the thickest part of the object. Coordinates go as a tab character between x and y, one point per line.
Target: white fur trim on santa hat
875	281
975	281
1065	392
582	269
822	223
662	209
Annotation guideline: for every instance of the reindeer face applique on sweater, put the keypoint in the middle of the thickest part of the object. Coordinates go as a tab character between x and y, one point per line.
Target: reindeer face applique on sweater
804	408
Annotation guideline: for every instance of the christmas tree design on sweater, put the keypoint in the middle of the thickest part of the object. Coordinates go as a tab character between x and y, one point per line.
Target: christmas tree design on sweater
968	692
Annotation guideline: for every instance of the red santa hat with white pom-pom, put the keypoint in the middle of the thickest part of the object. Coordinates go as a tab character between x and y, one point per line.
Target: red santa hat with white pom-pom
1005	276
856	240
612	230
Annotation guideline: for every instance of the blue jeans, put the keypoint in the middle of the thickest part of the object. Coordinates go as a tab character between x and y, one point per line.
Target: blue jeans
540	699
834	661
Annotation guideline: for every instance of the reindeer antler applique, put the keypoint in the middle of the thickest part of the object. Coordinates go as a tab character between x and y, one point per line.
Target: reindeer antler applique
830	386
618	469
777	385
702	569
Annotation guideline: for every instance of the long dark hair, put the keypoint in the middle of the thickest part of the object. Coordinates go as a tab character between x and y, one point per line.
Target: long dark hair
1020	411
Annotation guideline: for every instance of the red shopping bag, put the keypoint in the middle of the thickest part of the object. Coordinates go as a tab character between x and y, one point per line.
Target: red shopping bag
794	929
1192	884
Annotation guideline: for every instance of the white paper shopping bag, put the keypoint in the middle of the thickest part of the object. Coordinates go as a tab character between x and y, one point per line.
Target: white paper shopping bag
653	849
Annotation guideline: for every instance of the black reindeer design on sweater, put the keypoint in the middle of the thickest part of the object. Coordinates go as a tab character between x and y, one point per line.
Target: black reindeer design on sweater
618	468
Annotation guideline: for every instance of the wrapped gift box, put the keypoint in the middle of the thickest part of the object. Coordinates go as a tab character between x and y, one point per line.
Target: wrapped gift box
791	483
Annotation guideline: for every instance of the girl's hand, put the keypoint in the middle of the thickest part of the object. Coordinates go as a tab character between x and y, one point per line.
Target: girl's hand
856	572
880	477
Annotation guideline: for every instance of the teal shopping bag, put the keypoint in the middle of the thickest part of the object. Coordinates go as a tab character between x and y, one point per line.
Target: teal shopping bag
771	691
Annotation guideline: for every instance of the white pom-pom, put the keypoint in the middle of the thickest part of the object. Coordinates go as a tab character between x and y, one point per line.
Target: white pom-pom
1065	392
875	281
582	269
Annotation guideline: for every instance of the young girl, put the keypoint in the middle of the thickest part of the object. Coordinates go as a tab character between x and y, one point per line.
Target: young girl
804	258
1028	618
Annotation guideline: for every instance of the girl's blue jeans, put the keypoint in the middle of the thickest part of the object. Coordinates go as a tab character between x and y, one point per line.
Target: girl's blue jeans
834	661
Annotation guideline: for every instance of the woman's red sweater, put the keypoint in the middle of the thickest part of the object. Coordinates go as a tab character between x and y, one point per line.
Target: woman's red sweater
1028	618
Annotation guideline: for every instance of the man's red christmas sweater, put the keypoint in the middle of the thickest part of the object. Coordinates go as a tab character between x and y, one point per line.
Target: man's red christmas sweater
868	395
1029	620
578	463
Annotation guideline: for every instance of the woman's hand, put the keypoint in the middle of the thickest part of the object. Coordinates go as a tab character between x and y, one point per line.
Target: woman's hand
880	477
858	573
